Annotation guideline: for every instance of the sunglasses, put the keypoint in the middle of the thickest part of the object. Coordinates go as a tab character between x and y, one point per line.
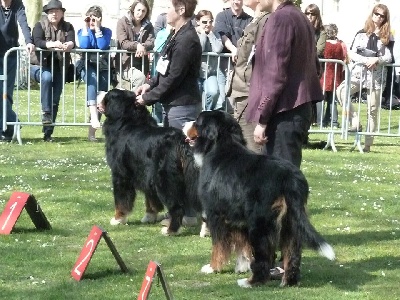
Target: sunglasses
310	14
207	22
88	19
379	15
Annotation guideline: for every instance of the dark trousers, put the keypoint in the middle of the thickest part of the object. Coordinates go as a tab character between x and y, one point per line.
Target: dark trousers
286	132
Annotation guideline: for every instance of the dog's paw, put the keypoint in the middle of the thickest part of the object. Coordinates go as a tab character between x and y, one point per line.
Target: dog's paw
204	232
165	231
242	264
207	269
121	221
149	218
244	283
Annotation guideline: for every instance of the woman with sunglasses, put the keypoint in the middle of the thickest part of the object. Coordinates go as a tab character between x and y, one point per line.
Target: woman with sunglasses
95	67
210	42
370	52
313	14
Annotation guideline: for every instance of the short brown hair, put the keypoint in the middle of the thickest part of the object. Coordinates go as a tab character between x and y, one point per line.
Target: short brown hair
190	6
144	3
203	13
331	31
95	10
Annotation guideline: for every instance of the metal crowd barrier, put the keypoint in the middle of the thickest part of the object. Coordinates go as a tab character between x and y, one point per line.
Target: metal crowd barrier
388	119
73	110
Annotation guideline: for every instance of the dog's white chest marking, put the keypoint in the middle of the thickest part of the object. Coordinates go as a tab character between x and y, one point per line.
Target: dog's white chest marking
198	159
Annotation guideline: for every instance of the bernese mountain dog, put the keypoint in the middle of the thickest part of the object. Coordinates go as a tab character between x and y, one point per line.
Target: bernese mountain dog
143	156
254	204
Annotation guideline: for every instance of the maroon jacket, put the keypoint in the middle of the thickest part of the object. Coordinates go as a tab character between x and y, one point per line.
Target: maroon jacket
285	66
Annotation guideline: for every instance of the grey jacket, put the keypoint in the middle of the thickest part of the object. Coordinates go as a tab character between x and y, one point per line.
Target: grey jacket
209	43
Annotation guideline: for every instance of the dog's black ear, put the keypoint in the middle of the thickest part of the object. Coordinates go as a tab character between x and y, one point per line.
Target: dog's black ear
207	126
211	131
118	103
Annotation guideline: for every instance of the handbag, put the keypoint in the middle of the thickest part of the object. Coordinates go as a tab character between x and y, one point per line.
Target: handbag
229	79
71	73
101	59
366	52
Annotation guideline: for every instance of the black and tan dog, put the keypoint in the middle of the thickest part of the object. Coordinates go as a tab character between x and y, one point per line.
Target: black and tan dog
143	156
254	204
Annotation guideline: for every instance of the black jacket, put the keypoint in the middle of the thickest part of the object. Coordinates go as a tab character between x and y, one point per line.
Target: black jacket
9	27
179	84
67	33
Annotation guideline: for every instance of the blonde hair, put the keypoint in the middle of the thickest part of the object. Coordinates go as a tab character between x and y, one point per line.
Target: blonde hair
384	30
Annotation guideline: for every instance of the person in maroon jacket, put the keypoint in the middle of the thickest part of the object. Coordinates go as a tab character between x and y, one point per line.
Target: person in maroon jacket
283	87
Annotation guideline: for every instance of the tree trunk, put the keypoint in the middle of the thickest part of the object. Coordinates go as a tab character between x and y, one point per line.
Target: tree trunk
151	4
297	2
33	9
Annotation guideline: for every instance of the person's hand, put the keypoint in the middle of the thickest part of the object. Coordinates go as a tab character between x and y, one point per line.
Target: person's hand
97	23
234	55
199	30
140	51
68	46
372	62
142	89
259	134
30	47
100	107
234	58
56	44
139	100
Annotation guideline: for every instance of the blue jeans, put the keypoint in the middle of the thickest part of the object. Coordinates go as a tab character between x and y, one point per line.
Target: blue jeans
331	112
51	86
210	87
90	77
221	103
11	116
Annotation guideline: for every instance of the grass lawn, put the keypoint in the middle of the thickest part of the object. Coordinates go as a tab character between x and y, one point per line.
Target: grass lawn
353	203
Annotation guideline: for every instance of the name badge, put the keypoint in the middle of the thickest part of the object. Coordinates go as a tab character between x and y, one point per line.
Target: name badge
162	66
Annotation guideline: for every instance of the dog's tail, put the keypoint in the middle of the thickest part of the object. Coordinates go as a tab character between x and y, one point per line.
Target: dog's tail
296	199
312	238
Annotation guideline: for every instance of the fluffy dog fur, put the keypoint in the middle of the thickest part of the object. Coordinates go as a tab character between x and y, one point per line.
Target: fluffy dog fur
254	204
143	156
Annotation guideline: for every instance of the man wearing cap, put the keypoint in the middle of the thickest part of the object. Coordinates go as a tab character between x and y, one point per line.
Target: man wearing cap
12	13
